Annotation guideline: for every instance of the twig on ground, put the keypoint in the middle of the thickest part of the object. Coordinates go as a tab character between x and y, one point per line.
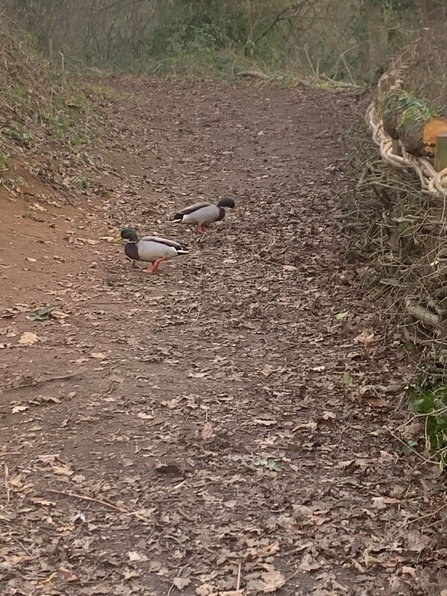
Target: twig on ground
86	498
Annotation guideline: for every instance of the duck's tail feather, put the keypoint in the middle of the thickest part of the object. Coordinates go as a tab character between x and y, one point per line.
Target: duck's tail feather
177	217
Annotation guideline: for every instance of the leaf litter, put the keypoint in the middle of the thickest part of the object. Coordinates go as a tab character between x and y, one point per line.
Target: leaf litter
222	437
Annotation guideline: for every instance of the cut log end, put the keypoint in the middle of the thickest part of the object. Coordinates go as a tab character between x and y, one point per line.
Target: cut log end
435	127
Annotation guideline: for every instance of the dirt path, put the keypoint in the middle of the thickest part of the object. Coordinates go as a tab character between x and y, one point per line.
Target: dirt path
222	424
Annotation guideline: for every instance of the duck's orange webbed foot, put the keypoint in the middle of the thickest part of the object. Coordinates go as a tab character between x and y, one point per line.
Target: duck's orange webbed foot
154	265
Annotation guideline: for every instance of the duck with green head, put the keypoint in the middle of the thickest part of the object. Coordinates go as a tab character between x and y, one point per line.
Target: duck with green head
151	249
204	213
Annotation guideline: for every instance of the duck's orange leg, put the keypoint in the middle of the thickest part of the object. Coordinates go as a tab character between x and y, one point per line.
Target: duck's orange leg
203	228
154	265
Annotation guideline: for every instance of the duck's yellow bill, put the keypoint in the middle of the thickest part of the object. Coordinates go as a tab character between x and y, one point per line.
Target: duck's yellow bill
234	209
117	239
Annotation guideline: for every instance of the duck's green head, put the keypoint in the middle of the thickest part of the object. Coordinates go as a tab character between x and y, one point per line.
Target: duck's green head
227	202
129	234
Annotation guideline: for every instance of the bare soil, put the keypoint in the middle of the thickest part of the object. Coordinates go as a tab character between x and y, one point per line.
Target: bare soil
230	424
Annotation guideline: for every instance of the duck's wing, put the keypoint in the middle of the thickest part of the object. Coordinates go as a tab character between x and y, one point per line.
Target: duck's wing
159	240
193	208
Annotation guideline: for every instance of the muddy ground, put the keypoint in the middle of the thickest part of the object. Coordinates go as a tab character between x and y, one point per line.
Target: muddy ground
232	423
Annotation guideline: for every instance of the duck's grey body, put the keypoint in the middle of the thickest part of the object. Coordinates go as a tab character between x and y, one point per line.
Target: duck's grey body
201	213
152	248
204	213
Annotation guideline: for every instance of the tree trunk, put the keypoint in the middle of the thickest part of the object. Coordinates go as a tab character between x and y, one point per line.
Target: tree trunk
377	34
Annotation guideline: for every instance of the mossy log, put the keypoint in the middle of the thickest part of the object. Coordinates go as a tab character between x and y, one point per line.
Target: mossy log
412	122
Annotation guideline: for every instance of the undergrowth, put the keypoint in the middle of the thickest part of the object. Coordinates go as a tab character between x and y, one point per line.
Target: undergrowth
45	117
427	398
399	246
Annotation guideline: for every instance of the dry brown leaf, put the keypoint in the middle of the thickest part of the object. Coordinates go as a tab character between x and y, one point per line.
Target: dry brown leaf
67	575
62	470
365	338
273	580
267	370
265	422
44	503
144	416
181	582
382	502
376	402
417	541
16	480
204	590
130	574
136	557
28	339
386	457
98	355
308	563
17	409
409	571
207	431
95	591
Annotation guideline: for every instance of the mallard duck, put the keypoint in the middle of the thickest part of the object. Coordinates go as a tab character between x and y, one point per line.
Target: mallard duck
204	213
150	248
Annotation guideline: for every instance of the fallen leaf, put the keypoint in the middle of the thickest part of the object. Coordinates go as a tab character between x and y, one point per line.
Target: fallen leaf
273	580
365	338
43	314
17	409
181	582
267	370
409	571
309	425
207	431
329	415
376	402
265	422
269	464
347	378
16	480
130	574
382	502
204	590
67	575
342	315
98	355
31	260
44	503
144	416
416	541
308	563
95	591
49	578
28	339
62	470
136	557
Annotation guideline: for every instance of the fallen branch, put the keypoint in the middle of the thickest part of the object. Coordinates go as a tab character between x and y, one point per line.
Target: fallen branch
424	315
253	74
39	382
85	498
